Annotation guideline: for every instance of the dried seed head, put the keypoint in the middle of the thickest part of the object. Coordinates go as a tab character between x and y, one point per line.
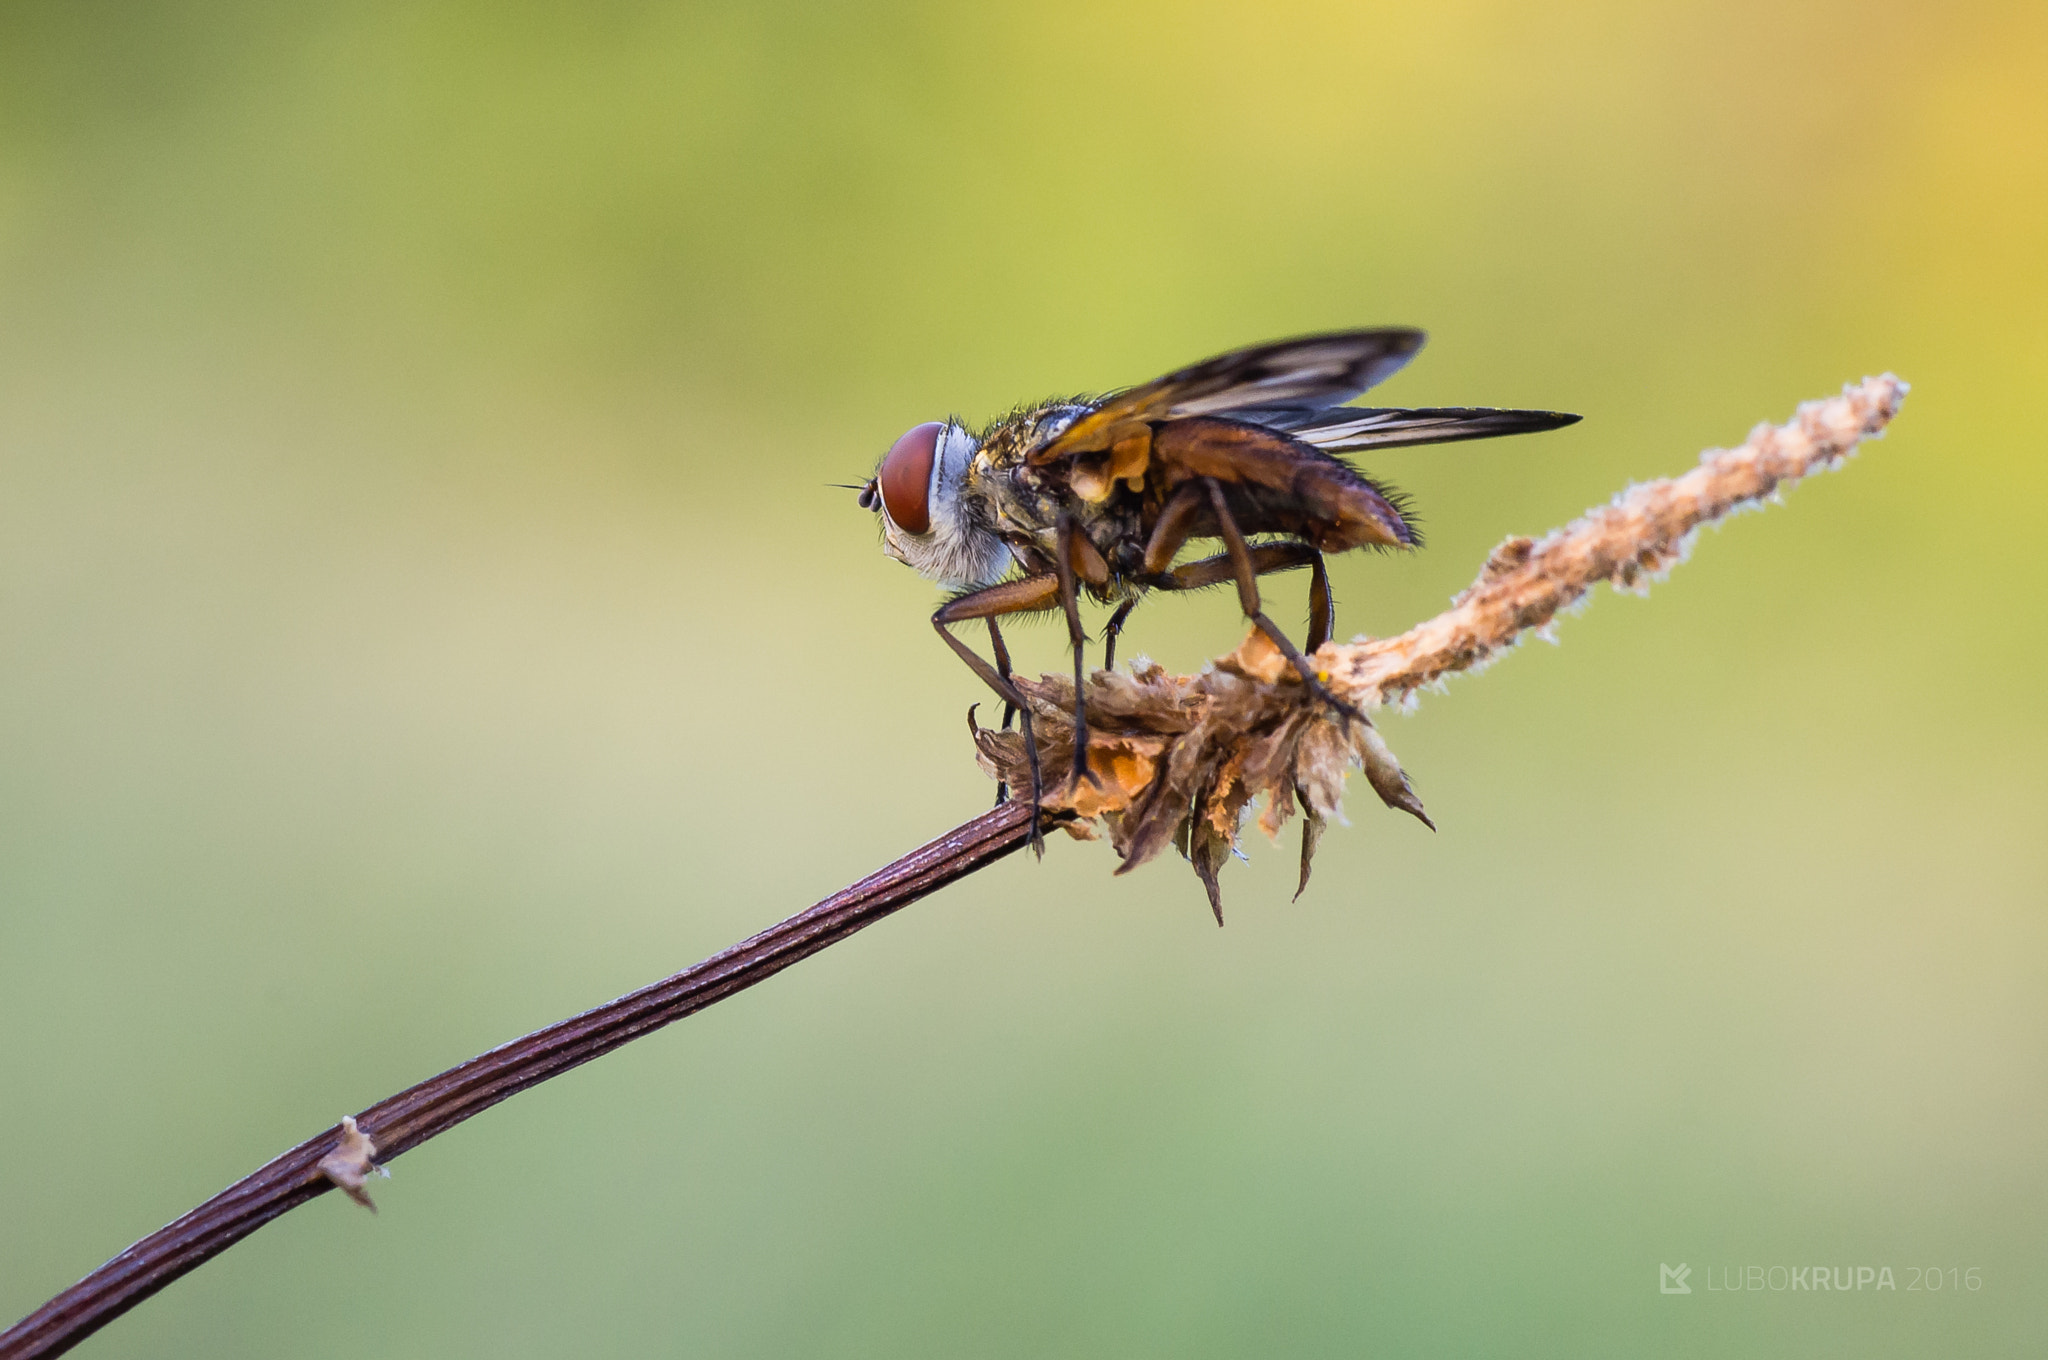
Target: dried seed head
1182	759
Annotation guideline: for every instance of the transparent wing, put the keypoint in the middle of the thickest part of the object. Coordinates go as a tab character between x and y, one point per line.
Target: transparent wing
1347	428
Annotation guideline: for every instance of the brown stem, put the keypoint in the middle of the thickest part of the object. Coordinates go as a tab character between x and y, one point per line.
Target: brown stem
438	1104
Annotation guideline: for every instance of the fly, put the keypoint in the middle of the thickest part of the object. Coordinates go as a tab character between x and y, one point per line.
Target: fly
1097	496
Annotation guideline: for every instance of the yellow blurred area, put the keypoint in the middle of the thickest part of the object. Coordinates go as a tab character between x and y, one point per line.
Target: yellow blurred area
423	614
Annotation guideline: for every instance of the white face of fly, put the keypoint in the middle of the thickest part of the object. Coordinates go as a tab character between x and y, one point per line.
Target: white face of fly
928	520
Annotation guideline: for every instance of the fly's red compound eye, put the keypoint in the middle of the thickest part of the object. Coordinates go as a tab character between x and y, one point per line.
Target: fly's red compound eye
906	477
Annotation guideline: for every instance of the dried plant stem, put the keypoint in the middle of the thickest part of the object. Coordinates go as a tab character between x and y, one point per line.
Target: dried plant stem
342	1155
1643	533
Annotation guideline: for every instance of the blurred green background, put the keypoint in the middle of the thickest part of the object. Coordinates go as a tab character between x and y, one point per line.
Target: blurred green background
422	615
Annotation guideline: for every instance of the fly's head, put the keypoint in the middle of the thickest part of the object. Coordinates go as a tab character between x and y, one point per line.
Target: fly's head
935	512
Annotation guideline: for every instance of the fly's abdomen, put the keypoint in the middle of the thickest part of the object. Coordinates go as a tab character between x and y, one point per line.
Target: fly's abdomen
1278	485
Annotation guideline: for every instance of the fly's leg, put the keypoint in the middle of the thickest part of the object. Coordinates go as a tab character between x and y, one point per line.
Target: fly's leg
1246	575
1286	555
1078	636
995	638
1176	522
1322	610
1267	558
1109	634
1011	597
1010	710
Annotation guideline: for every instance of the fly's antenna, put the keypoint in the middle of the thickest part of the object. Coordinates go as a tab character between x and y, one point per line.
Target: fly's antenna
869	497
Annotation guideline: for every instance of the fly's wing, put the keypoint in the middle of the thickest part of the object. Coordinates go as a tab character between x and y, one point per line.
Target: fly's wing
1346	429
1281	380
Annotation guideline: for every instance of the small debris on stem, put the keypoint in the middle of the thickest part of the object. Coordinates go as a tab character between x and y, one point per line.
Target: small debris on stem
353	1161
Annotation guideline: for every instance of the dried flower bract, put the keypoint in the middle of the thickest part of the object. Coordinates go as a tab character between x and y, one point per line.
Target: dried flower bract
1181	758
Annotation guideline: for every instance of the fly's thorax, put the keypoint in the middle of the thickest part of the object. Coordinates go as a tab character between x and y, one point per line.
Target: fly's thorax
1023	508
959	547
1027	503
